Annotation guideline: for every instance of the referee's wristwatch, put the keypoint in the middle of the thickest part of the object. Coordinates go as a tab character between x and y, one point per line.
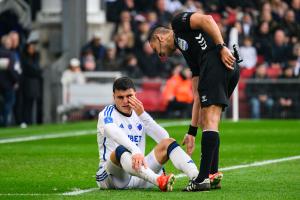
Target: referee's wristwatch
220	46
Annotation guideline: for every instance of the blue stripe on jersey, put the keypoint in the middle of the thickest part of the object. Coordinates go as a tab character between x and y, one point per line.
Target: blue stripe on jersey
106	109
107	115
104	149
112	108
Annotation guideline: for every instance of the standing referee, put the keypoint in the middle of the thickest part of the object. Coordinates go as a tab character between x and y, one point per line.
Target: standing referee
215	75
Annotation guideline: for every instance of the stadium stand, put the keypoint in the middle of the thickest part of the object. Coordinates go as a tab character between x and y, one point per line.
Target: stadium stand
272	26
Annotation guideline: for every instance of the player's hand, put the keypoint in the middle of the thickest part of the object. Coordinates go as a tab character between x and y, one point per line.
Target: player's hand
227	58
189	141
136	105
138	160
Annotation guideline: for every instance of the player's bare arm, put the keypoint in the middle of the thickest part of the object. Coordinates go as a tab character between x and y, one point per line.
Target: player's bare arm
207	23
138	160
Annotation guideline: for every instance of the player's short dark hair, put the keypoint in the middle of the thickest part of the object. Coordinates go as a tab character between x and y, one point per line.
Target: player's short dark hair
123	83
157	29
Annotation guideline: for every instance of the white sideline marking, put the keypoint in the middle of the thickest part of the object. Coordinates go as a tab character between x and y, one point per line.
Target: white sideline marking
46	136
73	133
27	194
255	164
77	192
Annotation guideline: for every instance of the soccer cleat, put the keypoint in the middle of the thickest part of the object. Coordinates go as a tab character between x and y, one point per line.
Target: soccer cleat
194	186
165	182
215	180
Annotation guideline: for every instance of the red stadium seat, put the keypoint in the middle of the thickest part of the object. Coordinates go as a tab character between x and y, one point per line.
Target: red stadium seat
274	72
247	73
152	100
260	59
151	85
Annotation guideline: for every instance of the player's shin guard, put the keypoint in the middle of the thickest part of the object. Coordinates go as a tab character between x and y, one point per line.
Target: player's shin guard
209	143
144	173
181	160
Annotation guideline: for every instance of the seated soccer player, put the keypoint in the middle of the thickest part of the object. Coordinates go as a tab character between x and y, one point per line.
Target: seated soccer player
122	130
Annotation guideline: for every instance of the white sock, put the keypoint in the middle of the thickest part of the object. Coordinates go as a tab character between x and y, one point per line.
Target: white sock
183	162
144	173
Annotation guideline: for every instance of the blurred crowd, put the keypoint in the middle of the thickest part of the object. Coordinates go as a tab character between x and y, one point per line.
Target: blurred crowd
266	31
20	81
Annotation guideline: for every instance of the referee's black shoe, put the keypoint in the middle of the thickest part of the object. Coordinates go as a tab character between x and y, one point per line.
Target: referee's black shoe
194	186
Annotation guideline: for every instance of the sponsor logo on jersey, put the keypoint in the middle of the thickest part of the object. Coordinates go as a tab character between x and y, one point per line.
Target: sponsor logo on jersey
183	45
135	138
201	41
191	161
129	126
121	126
140	127
108	120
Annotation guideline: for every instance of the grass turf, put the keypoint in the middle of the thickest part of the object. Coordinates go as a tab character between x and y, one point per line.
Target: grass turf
50	167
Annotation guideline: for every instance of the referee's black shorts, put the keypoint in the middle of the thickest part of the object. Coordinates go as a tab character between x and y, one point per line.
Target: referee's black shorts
216	82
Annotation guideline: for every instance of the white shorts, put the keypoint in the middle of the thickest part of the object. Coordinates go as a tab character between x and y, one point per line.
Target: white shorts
111	176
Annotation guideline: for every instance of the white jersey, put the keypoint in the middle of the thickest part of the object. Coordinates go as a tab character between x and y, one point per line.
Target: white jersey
114	129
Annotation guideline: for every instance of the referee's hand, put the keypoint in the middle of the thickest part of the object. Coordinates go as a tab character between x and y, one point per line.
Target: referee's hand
189	141
227	58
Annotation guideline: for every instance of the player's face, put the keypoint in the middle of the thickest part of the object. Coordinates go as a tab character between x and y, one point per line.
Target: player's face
121	98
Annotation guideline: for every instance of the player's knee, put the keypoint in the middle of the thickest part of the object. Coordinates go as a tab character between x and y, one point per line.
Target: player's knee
164	143
171	147
119	151
164	148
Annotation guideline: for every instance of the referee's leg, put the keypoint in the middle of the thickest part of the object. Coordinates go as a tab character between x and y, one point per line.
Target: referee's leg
211	116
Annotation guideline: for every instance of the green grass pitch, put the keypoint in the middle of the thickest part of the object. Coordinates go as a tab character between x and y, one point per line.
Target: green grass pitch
47	168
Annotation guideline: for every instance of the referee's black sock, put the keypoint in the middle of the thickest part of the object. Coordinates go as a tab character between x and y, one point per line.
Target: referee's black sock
215	162
209	143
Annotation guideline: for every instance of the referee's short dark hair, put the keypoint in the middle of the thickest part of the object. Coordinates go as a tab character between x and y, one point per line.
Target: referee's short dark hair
157	29
123	83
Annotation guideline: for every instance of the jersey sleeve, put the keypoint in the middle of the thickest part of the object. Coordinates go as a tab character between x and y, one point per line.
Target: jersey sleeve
181	22
155	131
108	128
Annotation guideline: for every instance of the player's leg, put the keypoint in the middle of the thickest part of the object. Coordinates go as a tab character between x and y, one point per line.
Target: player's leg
123	158
111	175
169	149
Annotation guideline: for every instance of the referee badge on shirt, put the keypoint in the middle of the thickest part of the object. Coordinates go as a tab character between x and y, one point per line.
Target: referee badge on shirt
183	45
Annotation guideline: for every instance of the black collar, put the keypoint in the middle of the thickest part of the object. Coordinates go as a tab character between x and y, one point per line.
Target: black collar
122	113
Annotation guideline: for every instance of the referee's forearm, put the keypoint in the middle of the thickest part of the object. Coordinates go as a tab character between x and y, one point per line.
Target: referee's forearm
207	24
196	113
